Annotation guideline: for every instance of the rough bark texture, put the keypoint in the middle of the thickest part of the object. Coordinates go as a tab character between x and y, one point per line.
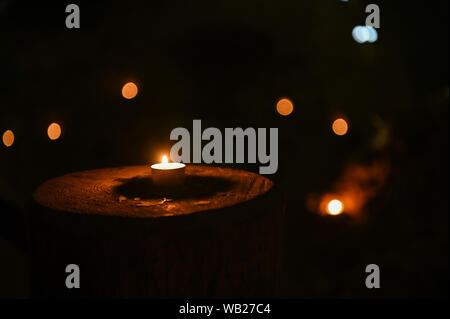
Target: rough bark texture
220	235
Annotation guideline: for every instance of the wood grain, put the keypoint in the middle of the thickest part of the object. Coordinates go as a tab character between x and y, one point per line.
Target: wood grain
128	191
220	235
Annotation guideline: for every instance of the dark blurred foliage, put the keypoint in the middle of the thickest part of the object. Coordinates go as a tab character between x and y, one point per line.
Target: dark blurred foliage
227	63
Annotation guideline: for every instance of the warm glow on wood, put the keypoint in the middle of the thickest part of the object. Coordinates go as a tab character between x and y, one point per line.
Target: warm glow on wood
285	107
8	138
335	207
129	90
340	127
54	131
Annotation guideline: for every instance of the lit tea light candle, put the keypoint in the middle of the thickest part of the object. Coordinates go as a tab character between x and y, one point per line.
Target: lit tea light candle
167	174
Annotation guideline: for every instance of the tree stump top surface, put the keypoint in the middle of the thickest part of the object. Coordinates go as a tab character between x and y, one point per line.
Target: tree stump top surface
129	192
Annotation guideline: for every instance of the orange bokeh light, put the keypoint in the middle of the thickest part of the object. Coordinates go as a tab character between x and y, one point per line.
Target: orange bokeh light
129	90
8	138
285	107
54	131
340	127
335	207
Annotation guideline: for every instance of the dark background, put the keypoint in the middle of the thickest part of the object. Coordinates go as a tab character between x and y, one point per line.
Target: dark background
227	63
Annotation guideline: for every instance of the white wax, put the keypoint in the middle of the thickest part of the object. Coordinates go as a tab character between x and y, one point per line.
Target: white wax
167	166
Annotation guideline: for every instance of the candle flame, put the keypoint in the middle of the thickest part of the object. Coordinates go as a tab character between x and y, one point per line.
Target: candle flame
335	207
353	189
164	159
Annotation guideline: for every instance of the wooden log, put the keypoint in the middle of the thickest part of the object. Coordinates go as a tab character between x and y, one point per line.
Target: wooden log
219	235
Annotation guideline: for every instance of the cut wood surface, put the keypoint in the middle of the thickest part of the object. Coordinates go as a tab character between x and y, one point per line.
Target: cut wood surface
129	192
219	235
